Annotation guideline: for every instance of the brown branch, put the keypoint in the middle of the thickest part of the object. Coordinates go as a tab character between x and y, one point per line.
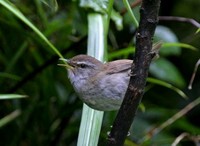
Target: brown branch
149	18
180	19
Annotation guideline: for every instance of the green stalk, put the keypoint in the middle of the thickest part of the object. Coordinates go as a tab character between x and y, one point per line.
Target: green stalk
135	22
92	119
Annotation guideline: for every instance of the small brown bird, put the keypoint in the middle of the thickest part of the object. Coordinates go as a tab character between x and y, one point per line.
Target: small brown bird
101	86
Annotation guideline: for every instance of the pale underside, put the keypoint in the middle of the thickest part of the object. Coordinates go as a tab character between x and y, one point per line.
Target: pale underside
108	91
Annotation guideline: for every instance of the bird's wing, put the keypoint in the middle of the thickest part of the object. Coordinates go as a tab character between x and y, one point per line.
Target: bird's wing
118	66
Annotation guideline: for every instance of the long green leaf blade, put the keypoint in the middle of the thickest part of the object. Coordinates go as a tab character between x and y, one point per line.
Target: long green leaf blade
18	14
5	120
167	85
92	119
11	96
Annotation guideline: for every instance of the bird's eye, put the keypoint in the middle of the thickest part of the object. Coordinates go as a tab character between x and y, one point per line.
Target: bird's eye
82	65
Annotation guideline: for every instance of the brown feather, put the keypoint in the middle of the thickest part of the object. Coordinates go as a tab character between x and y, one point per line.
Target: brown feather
118	66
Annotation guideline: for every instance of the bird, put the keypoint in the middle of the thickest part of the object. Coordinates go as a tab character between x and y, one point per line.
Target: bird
101	86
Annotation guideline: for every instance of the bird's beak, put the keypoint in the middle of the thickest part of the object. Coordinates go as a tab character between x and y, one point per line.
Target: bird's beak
66	63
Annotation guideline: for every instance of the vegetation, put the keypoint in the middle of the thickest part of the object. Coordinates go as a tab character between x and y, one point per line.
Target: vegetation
38	105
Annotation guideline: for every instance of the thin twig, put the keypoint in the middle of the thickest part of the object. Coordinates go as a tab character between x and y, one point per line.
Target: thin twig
180	19
194	74
179	138
195	139
171	120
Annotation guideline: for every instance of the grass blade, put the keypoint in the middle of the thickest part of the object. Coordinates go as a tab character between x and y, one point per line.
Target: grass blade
167	85
11	96
9	118
19	15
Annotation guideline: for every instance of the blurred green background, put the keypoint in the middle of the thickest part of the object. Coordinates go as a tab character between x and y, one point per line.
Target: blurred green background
51	114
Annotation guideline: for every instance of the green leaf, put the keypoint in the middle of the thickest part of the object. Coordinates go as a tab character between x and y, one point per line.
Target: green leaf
132	16
198	30
165	70
164	34
53	4
9	76
167	85
9	118
121	52
11	96
183	45
18	14
96	5
118	19
129	143
91	119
